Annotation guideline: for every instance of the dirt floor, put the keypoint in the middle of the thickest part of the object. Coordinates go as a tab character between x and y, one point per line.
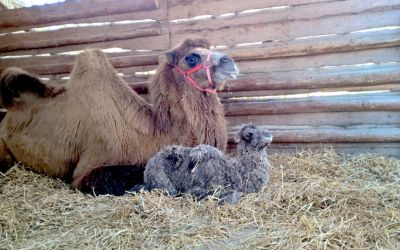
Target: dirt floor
316	200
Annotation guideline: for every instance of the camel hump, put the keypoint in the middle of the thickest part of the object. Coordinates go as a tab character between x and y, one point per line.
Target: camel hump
15	82
90	61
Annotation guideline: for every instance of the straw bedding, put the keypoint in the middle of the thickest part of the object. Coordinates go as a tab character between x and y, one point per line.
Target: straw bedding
316	200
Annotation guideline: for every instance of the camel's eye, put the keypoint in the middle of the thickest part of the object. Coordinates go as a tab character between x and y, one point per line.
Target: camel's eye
192	59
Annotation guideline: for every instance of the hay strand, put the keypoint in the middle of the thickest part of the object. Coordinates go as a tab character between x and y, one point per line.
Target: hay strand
316	200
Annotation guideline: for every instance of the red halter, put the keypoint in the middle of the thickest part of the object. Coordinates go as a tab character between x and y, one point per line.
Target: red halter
205	65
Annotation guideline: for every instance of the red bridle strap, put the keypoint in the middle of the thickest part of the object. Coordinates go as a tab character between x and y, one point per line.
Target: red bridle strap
205	65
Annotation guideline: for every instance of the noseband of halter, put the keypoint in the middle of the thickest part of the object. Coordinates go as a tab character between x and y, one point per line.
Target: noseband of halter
205	65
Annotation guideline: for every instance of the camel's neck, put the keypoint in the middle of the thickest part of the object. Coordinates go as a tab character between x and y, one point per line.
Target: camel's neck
179	107
245	153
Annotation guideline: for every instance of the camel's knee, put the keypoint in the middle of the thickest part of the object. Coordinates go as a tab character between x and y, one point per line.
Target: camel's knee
6	158
113	180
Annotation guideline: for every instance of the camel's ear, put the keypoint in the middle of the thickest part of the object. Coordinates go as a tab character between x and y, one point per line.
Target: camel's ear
171	57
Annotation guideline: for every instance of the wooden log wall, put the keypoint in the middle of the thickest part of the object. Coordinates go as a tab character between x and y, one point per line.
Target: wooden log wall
315	72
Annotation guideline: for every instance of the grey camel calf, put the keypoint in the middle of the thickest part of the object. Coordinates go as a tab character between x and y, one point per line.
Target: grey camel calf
202	170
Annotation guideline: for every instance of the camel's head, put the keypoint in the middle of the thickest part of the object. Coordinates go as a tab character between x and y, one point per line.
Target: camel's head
255	138
192	53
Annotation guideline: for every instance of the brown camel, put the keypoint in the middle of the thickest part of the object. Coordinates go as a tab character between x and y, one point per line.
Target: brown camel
97	132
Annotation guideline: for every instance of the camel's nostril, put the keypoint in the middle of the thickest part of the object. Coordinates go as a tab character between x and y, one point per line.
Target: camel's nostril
226	59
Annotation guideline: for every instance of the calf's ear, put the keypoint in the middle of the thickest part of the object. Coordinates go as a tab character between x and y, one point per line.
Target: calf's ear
171	57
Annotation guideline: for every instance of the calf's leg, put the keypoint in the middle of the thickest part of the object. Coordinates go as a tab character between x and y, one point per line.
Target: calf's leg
155	178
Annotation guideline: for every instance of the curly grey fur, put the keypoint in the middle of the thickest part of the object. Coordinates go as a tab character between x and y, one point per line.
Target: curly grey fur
252	162
202	170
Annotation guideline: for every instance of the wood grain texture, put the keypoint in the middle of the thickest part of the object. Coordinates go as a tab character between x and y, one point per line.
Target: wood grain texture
70	10
293	22
288	92
185	9
287	64
142	58
155	43
349	42
159	14
67	63
104	37
360	134
318	78
314	105
338	119
317	45
81	35
387	149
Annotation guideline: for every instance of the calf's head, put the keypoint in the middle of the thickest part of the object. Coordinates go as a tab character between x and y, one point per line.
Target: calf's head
253	137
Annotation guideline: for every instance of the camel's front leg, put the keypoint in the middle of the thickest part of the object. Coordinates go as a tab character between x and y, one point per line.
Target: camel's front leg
6	158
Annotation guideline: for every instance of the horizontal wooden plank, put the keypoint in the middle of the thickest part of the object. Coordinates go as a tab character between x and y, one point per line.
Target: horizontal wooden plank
104	37
286	92
155	43
158	15
142	79
387	149
129	74
339	119
378	56
139	86
146	58
128	61
290	23
335	135
3	6
68	64
134	69
314	105
70	10
334	96
81	35
185	9
367	75
138	78
317	45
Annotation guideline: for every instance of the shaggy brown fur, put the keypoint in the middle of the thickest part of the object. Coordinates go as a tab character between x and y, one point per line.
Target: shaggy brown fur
98	120
198	171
